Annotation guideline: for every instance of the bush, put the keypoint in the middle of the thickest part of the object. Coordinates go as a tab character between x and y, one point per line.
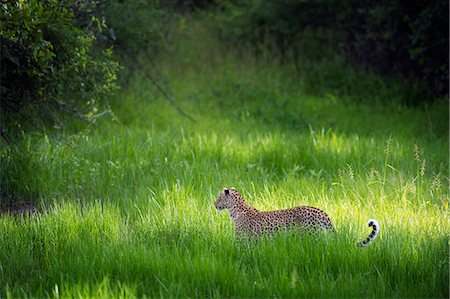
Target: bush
136	25
409	38
49	64
392	37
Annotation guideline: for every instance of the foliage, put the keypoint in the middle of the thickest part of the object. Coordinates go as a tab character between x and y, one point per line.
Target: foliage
48	64
136	26
404	37
392	37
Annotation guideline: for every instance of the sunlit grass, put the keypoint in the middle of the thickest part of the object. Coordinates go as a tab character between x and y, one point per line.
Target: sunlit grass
126	206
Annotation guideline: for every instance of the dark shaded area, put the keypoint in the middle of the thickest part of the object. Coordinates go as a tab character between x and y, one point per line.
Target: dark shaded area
398	37
48	64
17	209
409	38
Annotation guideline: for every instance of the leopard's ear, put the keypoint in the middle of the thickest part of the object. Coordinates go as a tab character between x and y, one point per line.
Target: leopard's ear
234	189
227	192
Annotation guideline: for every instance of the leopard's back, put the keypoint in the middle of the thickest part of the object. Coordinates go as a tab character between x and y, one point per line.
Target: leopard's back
302	217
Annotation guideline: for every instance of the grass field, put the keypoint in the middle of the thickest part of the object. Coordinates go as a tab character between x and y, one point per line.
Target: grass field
126	205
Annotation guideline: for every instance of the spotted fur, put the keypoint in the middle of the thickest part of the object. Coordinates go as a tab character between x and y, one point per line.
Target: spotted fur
248	221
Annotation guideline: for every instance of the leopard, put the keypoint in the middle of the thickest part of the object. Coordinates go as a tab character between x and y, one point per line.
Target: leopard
250	222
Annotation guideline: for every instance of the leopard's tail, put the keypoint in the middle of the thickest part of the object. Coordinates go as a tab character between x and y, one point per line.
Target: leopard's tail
373	235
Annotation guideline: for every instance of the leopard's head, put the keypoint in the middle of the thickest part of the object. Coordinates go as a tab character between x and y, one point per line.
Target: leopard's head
226	199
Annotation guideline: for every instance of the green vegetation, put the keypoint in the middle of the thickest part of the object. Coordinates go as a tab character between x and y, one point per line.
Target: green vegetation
126	205
49	65
391	37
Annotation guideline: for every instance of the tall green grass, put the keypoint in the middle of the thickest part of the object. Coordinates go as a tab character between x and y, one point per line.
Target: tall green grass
126	206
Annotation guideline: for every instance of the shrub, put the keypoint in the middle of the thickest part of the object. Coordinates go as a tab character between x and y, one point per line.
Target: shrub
392	37
409	38
136	25
49	64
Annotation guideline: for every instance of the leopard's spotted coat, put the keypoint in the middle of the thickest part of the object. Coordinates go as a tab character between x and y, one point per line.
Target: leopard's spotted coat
249	221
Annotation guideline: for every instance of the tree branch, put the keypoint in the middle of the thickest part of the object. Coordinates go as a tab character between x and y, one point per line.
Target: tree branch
161	89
